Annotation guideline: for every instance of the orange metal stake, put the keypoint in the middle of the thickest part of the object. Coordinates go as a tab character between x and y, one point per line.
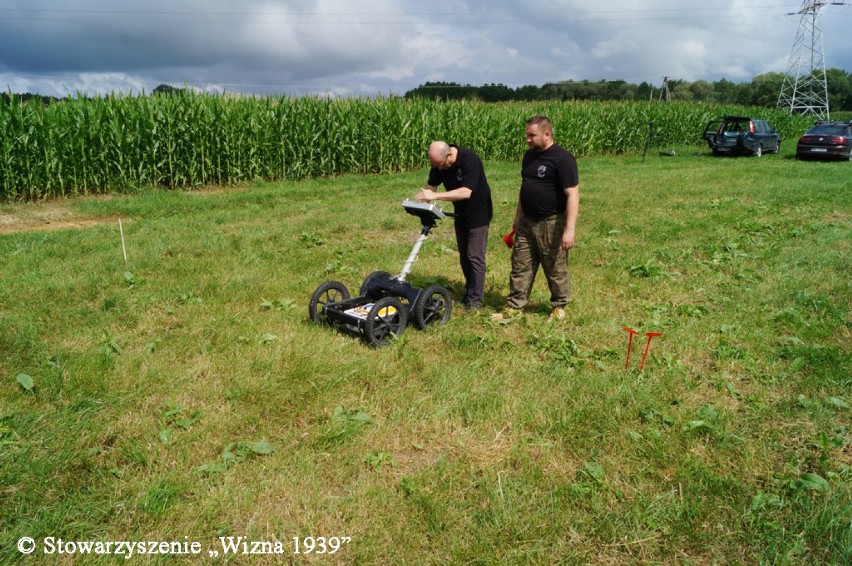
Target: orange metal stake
629	342
651	336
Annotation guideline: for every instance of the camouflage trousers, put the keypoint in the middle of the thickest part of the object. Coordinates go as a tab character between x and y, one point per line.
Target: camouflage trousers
539	243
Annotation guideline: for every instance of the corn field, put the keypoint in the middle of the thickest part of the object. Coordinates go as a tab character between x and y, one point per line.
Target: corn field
81	146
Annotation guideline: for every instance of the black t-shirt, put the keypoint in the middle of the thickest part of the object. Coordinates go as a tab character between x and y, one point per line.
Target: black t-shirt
544	178
467	171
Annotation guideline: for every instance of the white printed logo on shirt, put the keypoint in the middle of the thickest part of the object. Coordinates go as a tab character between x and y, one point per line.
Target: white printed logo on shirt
542	171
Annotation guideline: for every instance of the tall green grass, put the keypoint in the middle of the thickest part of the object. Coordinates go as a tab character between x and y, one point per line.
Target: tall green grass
118	143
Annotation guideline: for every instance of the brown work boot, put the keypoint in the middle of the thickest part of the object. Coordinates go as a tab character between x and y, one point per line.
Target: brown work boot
558	313
507	314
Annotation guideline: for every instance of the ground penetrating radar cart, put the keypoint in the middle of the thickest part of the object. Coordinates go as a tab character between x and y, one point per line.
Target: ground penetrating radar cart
386	303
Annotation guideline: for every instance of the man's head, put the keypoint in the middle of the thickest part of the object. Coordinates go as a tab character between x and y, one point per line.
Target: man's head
539	133
439	154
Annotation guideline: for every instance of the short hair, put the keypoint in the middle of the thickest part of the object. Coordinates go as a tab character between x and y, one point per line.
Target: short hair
543	122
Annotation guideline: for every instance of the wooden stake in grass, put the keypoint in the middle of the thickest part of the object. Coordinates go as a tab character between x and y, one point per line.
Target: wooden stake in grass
123	248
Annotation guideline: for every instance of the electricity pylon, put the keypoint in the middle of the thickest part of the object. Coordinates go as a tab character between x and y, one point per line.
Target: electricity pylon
805	87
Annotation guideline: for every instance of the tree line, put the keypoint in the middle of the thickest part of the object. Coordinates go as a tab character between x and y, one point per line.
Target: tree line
762	91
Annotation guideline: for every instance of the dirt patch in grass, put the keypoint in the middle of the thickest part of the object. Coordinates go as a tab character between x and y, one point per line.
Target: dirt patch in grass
48	219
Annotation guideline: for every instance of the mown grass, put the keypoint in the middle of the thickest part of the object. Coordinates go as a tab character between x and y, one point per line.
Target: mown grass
161	384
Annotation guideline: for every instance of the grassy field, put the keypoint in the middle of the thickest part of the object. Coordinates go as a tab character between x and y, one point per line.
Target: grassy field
183	395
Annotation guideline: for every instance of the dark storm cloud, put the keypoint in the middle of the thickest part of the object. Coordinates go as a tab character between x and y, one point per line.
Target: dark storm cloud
373	46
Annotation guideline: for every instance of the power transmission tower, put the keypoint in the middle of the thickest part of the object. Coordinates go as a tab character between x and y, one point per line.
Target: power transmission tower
805	87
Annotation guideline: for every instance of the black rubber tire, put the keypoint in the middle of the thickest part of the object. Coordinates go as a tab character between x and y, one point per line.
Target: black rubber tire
328	292
434	305
777	149
374	274
380	327
757	150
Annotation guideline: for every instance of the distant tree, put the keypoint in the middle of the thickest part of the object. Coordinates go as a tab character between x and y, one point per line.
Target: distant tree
765	89
724	90
166	89
495	93
442	91
682	91
624	91
528	93
839	90
703	91
7	97
645	91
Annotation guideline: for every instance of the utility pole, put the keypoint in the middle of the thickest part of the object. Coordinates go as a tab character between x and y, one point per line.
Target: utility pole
805	86
665	89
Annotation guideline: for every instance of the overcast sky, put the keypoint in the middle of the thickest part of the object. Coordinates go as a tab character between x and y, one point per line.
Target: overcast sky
370	47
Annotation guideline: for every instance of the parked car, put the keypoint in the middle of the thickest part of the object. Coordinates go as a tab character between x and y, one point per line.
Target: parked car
740	135
826	139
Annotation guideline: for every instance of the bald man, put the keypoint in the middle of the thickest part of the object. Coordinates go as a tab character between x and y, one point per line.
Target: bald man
461	172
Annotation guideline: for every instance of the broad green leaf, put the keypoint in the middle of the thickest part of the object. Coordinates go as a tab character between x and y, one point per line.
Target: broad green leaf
233	453
595	471
732	390
839	403
263	448
813	481
377	459
701	426
26	381
763	500
212	468
359	416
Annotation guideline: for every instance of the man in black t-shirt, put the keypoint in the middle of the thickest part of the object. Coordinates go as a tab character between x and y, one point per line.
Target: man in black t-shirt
545	219
461	172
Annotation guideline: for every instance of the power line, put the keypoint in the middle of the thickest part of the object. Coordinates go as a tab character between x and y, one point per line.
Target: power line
379	18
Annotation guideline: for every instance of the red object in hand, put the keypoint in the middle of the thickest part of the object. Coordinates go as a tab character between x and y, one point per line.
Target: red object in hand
509	239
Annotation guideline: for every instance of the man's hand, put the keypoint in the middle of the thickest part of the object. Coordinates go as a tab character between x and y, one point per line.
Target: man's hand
567	239
426	195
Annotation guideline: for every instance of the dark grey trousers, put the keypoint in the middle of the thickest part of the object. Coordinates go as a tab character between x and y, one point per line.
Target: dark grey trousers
471	244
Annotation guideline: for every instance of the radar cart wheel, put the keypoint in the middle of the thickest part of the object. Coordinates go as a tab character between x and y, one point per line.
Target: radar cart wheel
433	306
386	319
328	292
